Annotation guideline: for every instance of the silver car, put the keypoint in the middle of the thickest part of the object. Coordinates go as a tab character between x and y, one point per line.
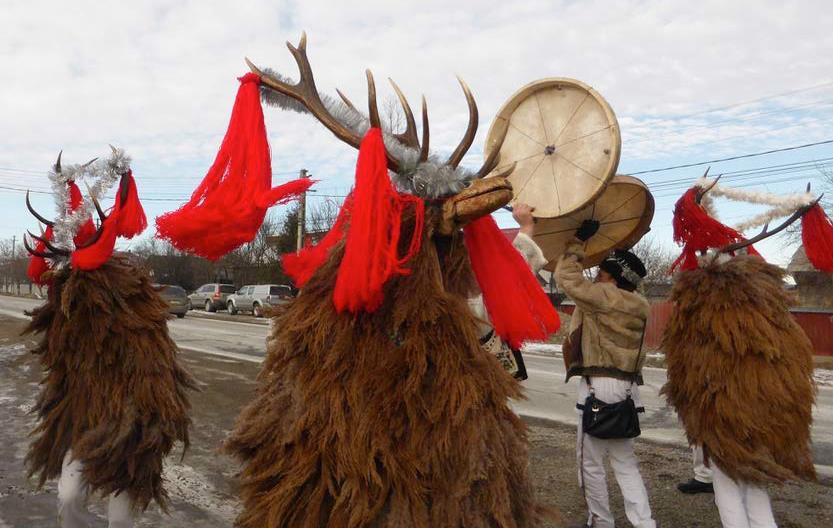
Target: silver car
211	297
256	297
176	297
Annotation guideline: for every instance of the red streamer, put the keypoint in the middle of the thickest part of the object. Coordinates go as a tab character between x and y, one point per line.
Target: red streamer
39	265
696	231
229	206
517	305
370	255
302	266
132	219
817	236
93	256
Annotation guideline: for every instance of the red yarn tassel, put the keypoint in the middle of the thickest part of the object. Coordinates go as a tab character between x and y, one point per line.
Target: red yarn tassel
38	265
697	231
88	229
228	207
370	256
93	256
132	219
817	236
517	305
302	266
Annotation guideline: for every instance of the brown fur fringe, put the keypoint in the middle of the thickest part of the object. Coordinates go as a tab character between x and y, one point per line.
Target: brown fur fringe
391	419
740	370
113	391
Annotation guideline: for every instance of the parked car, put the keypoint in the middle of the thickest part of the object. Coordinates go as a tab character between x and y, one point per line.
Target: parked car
256	297
211	297
176	297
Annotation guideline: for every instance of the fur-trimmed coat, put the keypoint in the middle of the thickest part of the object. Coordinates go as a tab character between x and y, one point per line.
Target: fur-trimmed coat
113	391
740	370
396	418
612	321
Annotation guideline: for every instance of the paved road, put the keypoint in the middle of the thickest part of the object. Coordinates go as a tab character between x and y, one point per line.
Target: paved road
549	398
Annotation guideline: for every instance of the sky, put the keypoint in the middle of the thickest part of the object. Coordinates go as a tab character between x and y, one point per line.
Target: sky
689	82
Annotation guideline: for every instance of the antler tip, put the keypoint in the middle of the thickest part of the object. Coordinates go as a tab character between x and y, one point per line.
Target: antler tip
302	45
252	66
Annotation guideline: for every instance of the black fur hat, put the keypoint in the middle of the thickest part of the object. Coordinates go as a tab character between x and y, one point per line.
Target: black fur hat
625	268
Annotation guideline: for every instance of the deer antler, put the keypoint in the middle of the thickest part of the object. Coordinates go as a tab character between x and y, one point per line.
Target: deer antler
305	92
409	137
471	129
766	233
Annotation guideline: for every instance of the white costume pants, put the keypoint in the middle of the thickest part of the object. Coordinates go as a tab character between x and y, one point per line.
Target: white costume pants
741	505
591	452
72	500
702	472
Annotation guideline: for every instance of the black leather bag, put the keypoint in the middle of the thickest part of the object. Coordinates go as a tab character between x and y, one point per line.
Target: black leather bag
610	420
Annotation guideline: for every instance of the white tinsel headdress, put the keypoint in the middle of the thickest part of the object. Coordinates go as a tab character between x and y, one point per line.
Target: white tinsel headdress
72	236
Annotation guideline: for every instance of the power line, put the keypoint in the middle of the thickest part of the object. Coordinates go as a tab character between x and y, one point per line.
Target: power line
761	175
742	156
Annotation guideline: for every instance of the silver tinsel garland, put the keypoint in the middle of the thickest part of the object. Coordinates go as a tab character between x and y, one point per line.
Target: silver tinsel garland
431	179
782	205
99	176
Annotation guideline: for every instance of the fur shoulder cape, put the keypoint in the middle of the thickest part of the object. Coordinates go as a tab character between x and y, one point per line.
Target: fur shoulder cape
740	370
389	419
113	391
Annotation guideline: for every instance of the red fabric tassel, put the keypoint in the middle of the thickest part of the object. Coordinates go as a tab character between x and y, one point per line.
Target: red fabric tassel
88	229
696	231
518	307
228	207
132	220
817	236
302	266
39	265
370	256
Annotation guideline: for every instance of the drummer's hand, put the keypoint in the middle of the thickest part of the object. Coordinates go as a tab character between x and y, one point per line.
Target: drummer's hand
587	229
522	213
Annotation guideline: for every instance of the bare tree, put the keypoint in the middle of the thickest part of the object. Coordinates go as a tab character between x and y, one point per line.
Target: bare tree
321	217
392	114
657	259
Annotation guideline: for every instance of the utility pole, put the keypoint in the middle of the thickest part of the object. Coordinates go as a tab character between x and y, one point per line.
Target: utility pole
302	217
12	267
8	276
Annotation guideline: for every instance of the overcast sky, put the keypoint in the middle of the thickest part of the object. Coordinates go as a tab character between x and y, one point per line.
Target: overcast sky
158	78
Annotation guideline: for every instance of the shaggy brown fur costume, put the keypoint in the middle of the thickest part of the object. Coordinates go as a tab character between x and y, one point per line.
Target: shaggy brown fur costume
740	370
113	392
392	419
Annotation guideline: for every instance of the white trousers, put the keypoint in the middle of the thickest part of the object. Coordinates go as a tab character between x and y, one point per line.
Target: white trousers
741	505
72	500
591	453
702	472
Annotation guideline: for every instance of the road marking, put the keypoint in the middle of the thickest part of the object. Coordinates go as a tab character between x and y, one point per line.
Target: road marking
221	353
